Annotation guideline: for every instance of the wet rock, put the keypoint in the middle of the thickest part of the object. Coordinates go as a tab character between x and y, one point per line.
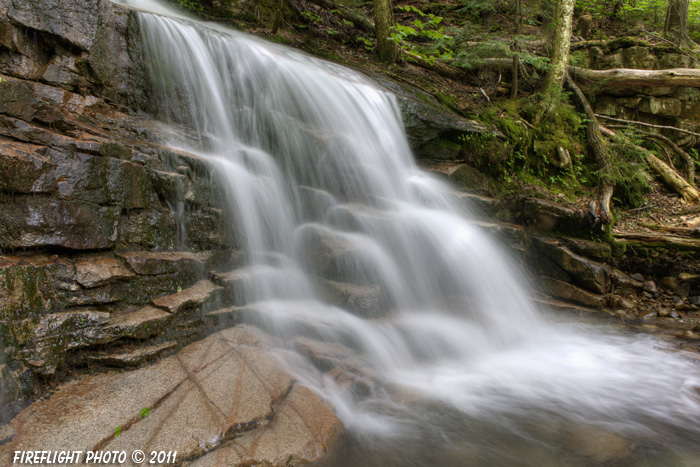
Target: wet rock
432	131
337	256
59	333
302	430
620	302
366	301
93	273
544	216
487	206
164	262
589	274
650	286
31	285
259	412
24	169
472	179
663	312
598	445
674	285
134	357
76	22
31	222
624	284
587	248
151	229
638	277
572	293
199	294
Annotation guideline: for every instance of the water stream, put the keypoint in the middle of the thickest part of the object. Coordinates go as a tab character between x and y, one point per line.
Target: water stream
314	153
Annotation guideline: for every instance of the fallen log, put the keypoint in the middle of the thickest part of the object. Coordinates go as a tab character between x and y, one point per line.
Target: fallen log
687	77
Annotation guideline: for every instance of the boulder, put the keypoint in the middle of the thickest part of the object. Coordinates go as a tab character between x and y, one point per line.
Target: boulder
366	301
433	131
337	256
571	293
227	394
589	274
545	217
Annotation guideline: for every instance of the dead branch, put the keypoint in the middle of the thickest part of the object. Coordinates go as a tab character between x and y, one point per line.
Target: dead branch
650	125
689	164
667	174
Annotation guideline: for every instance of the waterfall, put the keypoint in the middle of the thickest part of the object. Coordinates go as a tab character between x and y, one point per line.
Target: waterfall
316	162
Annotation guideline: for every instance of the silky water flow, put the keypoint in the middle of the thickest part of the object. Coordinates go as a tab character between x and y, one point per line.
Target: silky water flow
315	159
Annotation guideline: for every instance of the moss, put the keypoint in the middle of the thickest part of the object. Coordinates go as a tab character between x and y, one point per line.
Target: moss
624	42
442	149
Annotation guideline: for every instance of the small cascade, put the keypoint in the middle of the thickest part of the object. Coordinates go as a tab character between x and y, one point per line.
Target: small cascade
329	203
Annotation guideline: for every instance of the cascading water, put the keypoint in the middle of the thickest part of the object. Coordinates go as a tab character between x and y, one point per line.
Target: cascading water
314	153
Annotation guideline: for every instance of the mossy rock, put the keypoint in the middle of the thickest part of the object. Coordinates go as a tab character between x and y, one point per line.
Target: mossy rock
471	179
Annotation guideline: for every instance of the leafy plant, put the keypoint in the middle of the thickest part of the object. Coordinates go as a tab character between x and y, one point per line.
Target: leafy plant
427	30
191	5
145	412
117	431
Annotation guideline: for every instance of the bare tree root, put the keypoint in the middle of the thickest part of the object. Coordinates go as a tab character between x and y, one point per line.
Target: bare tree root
599	208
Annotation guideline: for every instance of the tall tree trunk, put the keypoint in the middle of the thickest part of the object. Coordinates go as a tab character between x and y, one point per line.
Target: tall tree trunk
676	25
560	45
518	17
383	21
561	40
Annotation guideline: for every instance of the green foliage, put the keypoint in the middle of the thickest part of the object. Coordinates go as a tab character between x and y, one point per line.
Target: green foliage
145	412
475	9
191	5
633	12
367	43
311	16
117	431
433	44
629	173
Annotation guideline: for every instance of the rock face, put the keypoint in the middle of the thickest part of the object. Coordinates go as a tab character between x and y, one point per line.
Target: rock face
660	105
225	400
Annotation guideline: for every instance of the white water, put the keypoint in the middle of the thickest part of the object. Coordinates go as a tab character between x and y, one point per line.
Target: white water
309	147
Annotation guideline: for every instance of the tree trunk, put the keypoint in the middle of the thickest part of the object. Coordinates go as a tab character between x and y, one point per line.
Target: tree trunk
383	21
518	17
549	94
516	70
561	40
676	26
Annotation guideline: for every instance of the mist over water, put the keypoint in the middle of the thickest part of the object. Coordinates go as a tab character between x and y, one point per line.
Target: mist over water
472	371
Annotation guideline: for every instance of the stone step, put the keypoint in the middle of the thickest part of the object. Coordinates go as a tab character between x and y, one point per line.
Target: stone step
59	333
131	358
485	207
201	293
